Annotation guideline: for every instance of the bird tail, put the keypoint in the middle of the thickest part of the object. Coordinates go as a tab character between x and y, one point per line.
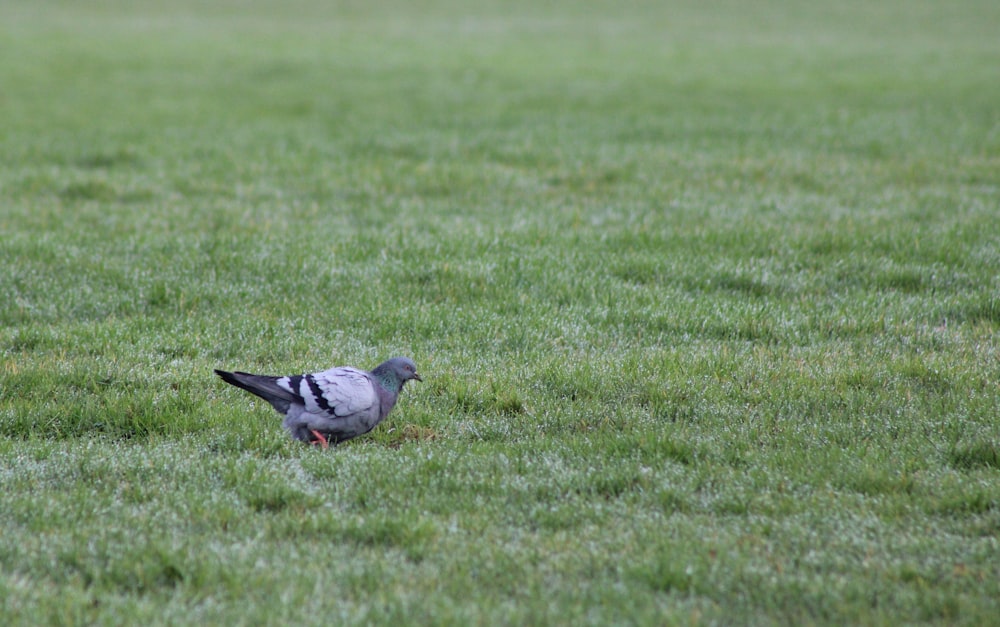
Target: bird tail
261	385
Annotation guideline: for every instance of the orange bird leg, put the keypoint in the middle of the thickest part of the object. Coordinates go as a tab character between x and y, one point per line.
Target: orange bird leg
322	441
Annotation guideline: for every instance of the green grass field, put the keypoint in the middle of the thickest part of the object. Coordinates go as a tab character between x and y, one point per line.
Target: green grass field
706	297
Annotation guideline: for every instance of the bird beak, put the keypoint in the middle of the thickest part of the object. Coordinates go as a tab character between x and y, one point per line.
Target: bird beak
417	377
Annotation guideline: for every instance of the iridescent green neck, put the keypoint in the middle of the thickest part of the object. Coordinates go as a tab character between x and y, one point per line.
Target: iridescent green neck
387	379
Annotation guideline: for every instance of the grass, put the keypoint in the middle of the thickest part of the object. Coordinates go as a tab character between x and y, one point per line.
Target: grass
706	300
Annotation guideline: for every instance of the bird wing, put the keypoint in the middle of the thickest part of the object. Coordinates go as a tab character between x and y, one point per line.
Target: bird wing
335	393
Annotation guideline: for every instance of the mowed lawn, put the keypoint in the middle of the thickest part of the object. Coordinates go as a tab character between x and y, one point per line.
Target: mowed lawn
706	297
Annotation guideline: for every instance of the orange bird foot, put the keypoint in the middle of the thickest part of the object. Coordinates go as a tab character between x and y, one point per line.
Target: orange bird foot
322	441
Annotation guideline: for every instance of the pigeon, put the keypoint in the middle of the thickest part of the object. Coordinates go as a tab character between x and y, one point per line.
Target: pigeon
334	405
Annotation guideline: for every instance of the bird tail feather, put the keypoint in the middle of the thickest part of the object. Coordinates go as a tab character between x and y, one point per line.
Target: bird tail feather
263	386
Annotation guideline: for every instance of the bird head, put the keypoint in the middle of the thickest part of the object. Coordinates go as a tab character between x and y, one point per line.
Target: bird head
406	369
402	369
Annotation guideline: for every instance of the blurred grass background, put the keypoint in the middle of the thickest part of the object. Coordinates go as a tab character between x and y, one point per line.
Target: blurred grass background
706	298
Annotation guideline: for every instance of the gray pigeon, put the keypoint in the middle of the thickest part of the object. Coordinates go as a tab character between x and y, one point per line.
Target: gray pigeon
334	405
